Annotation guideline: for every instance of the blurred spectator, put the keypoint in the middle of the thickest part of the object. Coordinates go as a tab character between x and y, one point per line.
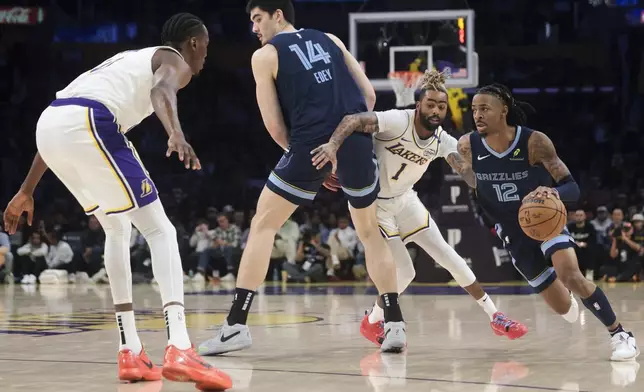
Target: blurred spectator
315	224
225	246
93	240
624	252
585	237
343	241
312	259
6	257
59	258
31	255
285	245
601	224
199	242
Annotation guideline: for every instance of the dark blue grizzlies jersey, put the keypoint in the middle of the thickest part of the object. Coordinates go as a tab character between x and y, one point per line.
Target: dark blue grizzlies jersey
315	88
504	179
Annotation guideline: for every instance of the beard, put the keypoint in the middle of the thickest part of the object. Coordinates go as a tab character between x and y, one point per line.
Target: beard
427	124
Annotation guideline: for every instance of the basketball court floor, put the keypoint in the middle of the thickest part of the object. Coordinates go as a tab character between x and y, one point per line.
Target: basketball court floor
306	338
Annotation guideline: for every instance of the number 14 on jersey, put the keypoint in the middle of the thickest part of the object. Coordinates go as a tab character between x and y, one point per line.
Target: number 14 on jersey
315	53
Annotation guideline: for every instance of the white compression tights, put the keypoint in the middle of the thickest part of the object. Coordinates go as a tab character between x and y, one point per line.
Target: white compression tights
432	242
161	237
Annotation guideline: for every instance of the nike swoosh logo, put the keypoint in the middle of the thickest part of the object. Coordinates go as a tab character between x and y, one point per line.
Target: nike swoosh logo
480	158
148	364
405	140
224	338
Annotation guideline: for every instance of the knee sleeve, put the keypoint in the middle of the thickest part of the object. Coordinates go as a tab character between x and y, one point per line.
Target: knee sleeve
118	230
404	265
435	245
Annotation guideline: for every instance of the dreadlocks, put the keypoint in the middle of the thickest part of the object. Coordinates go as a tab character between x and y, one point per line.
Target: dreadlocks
433	80
516	109
179	28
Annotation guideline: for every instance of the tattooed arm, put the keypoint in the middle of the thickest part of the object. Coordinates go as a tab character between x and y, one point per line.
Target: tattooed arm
542	151
366	122
464	169
461	160
388	125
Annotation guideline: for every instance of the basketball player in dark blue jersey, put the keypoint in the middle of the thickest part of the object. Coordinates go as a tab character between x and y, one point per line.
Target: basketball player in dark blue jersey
307	82
510	162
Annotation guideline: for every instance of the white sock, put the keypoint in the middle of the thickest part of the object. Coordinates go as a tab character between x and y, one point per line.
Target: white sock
175	324
377	314
488	305
128	337
573	312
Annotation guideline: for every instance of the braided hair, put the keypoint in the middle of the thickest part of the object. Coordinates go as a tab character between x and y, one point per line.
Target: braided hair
432	80
179	28
516	109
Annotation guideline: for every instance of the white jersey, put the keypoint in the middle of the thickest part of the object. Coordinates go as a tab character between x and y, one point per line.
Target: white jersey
402	156
122	83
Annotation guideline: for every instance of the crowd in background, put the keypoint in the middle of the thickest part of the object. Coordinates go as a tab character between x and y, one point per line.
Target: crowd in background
598	133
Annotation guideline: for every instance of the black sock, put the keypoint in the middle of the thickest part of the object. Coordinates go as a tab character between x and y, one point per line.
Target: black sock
241	306
598	304
616	330
391	307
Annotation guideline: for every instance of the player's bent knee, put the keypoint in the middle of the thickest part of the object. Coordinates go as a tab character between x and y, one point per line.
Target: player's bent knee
265	221
573	280
114	225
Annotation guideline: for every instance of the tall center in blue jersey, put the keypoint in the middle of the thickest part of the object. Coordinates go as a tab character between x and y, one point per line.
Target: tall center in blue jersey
315	88
504	179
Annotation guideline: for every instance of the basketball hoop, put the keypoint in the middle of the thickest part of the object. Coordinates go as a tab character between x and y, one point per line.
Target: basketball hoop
405	84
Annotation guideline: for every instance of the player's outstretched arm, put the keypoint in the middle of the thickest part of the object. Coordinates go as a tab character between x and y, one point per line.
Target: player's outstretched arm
264	64
366	122
23	201
542	151
357	73
461	161
171	73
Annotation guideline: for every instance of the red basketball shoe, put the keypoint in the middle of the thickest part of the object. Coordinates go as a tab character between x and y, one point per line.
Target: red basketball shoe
373	332
188	366
133	367
503	326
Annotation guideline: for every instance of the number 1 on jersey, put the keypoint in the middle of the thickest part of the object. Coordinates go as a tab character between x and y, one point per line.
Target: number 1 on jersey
399	172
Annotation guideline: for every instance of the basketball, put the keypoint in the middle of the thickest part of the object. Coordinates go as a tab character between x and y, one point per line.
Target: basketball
542	219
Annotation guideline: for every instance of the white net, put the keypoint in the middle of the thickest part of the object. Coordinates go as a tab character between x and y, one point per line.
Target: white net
405	84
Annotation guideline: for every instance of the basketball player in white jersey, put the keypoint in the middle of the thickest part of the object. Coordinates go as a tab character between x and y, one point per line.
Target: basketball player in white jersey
81	138
406	141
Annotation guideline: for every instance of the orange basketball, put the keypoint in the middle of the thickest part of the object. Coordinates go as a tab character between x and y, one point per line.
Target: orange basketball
542	219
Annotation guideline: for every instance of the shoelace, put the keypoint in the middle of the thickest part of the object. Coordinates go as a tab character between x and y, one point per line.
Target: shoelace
504	321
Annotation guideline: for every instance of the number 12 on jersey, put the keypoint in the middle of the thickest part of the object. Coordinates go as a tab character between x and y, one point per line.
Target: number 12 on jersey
506	192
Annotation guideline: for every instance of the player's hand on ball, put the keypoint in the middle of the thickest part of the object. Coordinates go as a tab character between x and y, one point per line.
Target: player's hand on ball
331	183
324	154
542	192
21	202
177	143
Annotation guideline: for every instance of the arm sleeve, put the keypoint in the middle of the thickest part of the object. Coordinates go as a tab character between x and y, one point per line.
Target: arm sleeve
392	123
447	144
